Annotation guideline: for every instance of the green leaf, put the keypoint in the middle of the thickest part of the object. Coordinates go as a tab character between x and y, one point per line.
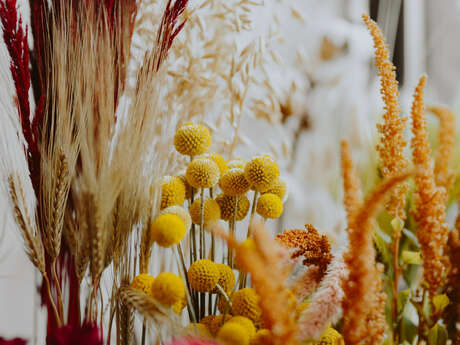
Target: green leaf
381	241
397	224
440	302
411	257
437	335
402	300
411	236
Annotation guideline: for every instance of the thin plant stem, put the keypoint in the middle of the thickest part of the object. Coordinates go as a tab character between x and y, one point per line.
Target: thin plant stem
143	332
253	211
202	239
53	305
58	289
192	307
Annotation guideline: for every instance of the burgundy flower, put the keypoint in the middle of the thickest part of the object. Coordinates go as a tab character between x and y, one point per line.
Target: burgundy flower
15	341
88	334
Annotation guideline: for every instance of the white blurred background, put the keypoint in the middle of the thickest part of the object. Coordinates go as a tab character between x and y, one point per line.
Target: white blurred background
326	50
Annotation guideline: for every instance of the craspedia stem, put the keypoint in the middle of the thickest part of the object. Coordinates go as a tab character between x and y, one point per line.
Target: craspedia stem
202	239
253	211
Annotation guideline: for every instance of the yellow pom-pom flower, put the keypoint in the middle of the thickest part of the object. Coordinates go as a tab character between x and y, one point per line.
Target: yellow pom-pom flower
279	188
331	337
218	159
143	282
167	230
203	275
172	191
192	140
226	278
269	206
263	336
223	306
168	289
211	212
216	322
261	172
236	163
245	302
179	211
202	173
199	329
234	183
227	206
246	323
233	334
207	321
180	305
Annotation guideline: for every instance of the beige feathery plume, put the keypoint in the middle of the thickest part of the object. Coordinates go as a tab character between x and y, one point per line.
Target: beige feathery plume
360	304
430	214
392	143
444	176
351	186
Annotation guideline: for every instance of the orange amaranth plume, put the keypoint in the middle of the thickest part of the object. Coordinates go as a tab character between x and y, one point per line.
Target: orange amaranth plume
363	295
392	143
430	213
352	191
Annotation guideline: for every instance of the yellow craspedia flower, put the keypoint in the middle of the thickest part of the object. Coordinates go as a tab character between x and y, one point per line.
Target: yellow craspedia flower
261	172
203	275
172	191
207	321
218	159
211	212
263	336
143	282
167	230
278	187
226	278
223	305
233	334
192	140
180	305
269	206
202	173
188	187
234	183
331	337
227	206
247	324
179	211
168	289
215	322
236	163
245	302
199	329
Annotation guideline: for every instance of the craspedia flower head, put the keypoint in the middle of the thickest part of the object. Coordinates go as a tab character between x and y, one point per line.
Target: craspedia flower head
245	302
168	289
199	329
278	187
218	159
223	306
263	337
234	183
227	206
261	172
211	212
247	324
143	282
180	212
331	337
216	322
188	187
236	163
203	275
202	173
207	321
269	206
172	191
233	334
179	305
167	230
192	139
226	278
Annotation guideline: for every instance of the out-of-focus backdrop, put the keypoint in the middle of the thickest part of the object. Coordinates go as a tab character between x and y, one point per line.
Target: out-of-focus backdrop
330	92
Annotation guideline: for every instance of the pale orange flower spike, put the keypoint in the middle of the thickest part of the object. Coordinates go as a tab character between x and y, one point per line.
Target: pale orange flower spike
430	214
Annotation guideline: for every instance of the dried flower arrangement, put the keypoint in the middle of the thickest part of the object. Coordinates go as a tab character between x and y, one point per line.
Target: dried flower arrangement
96	227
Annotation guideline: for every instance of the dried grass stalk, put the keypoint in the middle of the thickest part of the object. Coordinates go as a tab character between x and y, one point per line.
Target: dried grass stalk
351	185
443	173
392	143
359	303
430	214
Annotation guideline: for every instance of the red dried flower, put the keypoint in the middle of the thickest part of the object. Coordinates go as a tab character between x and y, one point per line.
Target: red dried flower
15	341
88	334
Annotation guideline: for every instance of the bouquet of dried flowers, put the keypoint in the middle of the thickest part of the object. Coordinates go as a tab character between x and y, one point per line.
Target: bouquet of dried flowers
129	254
